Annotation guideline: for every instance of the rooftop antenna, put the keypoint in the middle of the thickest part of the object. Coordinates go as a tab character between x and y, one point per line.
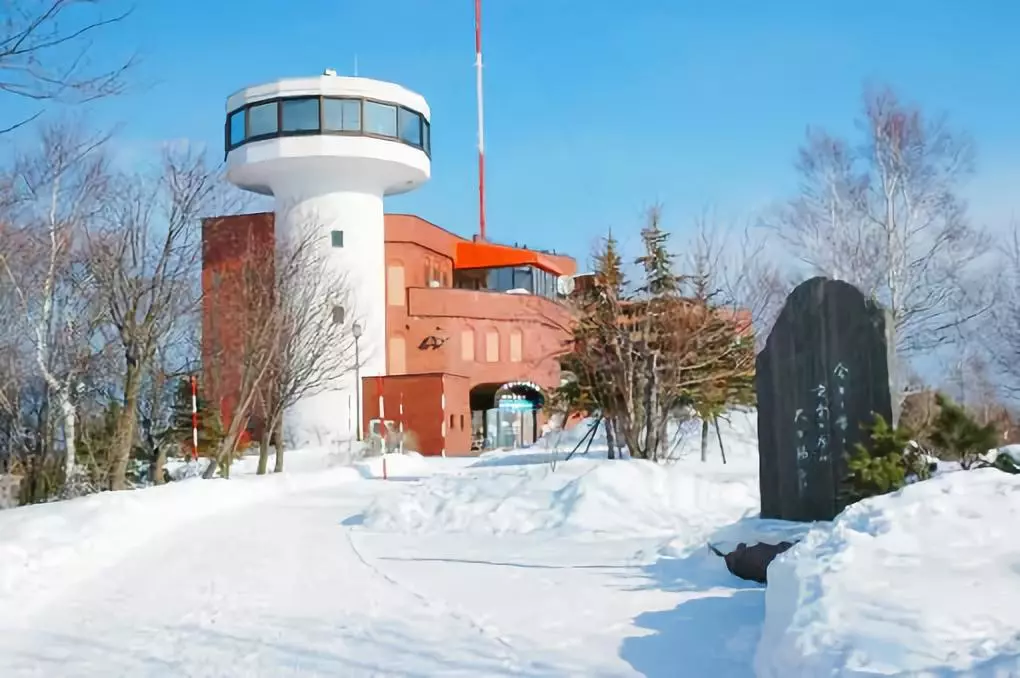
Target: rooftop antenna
481	120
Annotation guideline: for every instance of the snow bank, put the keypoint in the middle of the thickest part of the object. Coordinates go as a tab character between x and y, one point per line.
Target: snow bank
923	582
89	533
625	498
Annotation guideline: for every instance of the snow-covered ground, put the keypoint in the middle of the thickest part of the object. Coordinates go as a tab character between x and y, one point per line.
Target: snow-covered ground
516	563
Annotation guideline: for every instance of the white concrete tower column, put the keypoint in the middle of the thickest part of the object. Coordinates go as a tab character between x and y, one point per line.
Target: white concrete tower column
329	149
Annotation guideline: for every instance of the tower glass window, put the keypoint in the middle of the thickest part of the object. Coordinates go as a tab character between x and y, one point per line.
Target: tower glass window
336	238
410	127
236	127
341	115
380	119
300	115
262	120
309	115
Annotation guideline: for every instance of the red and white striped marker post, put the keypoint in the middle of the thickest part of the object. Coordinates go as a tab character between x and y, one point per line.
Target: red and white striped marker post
194	418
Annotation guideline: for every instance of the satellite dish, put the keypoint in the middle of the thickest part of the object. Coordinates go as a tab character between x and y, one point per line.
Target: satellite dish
565	285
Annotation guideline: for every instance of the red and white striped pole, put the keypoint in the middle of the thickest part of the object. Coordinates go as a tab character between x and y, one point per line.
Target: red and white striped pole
194	418
481	120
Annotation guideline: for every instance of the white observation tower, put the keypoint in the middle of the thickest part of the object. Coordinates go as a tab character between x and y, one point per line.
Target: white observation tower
328	149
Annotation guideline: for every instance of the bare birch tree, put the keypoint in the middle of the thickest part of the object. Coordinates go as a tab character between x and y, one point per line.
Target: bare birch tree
887	216
1002	336
316	345
45	50
58	190
145	257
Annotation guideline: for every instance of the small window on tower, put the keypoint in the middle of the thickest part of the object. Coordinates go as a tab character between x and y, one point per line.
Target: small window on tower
337	238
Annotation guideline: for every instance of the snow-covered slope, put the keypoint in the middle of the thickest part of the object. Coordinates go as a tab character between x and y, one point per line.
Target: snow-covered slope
532	490
47	548
923	582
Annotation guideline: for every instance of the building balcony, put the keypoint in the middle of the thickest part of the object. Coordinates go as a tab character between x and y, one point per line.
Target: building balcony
447	302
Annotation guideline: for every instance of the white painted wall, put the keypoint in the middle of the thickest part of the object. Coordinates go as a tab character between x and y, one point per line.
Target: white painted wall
318	419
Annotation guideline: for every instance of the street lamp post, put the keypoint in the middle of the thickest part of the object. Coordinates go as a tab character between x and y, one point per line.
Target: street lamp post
356	331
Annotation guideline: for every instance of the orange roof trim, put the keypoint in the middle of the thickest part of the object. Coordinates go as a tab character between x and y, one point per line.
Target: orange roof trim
488	255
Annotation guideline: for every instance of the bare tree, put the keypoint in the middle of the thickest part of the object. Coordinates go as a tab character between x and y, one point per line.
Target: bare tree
888	218
241	339
1001	339
57	191
711	274
145	257
45	51
641	355
316	345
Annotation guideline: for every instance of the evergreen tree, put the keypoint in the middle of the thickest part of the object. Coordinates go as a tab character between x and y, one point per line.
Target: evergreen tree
609	278
657	262
884	466
958	436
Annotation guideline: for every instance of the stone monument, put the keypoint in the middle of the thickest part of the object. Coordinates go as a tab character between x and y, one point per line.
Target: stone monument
824	371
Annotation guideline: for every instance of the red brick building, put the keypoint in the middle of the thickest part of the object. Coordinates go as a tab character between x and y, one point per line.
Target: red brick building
473	330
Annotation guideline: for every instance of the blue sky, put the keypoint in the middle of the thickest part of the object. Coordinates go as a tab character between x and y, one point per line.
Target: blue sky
596	109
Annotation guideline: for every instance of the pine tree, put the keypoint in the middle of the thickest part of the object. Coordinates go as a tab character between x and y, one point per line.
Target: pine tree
958	436
657	262
884	466
609	278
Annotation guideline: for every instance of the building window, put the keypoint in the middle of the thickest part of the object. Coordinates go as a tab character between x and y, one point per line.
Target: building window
516	346
336	238
341	115
338	315
427	136
462	422
492	346
262	120
300	115
395	288
398	355
467	345
451	421
410	127
380	119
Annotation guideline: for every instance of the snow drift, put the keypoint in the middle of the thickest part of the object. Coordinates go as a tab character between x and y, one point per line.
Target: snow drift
580	496
922	582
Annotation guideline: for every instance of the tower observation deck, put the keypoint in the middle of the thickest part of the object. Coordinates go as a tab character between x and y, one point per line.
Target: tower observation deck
329	149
